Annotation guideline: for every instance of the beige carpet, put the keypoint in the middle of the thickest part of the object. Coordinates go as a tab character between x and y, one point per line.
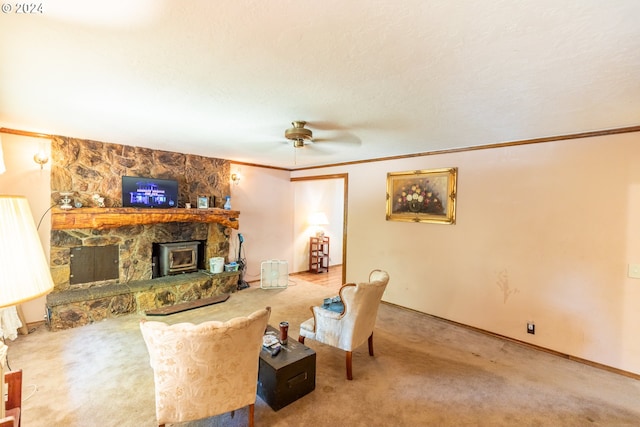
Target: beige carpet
426	372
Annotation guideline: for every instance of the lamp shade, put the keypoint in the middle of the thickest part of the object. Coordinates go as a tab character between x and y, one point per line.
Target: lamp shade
24	270
318	218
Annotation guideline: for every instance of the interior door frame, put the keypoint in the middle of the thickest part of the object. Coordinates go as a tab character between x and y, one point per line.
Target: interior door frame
345	199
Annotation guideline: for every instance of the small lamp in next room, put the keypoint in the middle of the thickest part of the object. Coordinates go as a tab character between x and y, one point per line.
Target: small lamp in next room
318	219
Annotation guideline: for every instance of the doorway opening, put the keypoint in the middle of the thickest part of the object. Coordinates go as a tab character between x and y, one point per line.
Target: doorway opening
328	194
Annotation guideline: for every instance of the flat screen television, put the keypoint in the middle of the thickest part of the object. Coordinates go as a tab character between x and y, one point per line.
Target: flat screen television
140	192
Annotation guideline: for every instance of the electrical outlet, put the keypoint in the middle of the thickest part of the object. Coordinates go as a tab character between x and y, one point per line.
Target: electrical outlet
634	271
531	328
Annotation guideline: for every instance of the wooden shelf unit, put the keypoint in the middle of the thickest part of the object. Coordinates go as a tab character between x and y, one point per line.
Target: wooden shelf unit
318	254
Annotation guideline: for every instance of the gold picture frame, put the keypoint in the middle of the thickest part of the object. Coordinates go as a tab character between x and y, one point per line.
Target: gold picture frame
422	196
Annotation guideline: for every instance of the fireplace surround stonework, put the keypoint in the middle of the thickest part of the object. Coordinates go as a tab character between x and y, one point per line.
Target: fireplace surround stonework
87	168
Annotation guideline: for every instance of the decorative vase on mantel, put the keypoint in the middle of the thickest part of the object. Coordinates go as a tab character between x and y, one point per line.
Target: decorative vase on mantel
65	201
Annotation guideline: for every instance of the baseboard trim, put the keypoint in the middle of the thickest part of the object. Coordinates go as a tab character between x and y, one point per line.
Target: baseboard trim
31	326
526	344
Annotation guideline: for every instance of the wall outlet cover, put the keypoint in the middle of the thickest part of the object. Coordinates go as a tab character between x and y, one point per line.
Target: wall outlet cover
634	271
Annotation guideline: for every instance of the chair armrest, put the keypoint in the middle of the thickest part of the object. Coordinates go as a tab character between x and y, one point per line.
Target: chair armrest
329	320
326	314
326	320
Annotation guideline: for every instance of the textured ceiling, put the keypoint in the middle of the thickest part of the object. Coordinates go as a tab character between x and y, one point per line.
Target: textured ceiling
371	78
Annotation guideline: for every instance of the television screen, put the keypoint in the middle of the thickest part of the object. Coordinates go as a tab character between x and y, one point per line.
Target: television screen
140	192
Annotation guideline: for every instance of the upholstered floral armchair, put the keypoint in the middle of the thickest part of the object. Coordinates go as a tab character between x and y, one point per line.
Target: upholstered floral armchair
207	369
353	326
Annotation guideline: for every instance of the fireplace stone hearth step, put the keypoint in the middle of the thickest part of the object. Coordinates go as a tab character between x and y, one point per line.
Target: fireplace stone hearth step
78	307
178	308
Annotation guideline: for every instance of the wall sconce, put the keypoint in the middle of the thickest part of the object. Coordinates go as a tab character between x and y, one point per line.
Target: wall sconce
41	157
235	178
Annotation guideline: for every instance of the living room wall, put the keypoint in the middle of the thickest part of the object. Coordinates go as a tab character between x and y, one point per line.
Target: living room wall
264	198
544	233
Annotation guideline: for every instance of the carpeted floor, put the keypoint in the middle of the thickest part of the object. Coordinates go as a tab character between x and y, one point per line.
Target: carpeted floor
426	372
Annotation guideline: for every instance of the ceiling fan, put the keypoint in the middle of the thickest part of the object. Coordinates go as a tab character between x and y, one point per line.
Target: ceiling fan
298	133
303	137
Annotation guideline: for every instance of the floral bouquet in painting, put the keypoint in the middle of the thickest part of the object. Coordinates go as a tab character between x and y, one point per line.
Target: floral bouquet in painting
417	197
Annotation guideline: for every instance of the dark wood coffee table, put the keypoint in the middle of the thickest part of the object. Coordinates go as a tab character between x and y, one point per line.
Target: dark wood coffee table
288	376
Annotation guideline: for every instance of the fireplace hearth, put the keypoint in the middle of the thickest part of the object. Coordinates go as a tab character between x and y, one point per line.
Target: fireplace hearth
136	290
78	307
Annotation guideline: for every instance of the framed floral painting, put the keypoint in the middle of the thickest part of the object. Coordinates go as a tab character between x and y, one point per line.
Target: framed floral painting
422	196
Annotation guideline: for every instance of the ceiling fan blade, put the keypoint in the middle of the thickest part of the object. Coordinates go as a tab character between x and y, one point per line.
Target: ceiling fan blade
316	138
313	150
341	137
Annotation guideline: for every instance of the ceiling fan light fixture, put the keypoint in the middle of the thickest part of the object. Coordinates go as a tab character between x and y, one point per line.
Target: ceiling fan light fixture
298	133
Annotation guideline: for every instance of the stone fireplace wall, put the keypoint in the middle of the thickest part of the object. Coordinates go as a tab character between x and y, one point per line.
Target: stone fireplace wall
87	168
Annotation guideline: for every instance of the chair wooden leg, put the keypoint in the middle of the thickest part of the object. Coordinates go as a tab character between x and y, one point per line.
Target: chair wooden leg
371	344
301	339
349	369
251	414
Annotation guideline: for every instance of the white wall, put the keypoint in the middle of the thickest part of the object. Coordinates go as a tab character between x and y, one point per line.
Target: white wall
264	198
25	178
544	233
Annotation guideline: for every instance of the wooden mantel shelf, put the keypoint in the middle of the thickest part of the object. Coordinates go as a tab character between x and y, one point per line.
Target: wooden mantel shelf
103	218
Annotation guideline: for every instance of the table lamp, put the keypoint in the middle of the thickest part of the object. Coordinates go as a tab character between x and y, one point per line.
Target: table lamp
318	219
24	270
